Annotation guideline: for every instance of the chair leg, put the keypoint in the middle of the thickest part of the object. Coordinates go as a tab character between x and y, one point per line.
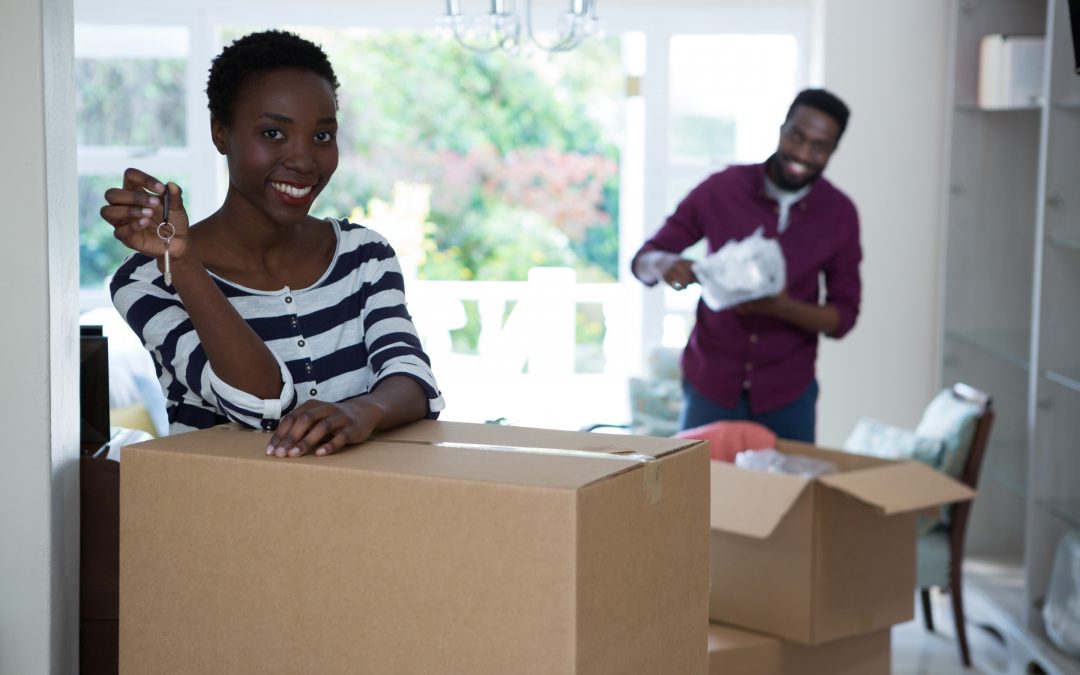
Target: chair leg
927	613
959	620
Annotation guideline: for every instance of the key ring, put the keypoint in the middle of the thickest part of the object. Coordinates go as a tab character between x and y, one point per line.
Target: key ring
167	234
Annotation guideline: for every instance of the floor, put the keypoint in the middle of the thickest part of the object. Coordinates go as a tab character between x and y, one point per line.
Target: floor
918	652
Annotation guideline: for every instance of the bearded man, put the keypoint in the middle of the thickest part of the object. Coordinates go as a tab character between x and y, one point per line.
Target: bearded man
756	361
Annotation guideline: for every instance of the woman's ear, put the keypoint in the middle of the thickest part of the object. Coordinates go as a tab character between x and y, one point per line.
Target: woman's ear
217	134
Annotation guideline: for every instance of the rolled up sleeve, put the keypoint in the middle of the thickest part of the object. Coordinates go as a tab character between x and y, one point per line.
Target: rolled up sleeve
843	284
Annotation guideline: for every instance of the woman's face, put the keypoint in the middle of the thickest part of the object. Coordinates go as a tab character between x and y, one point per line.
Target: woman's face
281	145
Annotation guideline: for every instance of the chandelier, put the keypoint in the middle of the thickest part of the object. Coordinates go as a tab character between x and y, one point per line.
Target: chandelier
502	26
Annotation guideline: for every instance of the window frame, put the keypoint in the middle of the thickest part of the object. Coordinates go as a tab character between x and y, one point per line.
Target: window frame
648	167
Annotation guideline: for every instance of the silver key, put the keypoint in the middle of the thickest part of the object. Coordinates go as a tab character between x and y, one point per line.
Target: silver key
165	232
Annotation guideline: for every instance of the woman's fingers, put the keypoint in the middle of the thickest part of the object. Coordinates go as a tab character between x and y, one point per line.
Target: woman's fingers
317	427
320	429
136	209
304	429
127	215
278	441
135	179
333	445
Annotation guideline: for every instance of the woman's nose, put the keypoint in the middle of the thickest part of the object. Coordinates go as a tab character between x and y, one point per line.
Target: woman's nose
299	158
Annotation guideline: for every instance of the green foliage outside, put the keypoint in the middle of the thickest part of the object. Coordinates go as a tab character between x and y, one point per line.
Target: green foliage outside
131	102
516	154
520	150
522	169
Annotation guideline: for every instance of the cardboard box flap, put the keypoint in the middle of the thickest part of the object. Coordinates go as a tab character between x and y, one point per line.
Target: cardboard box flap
899	487
553	467
499	435
751	503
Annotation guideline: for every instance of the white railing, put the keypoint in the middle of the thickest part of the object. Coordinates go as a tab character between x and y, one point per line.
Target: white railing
523	368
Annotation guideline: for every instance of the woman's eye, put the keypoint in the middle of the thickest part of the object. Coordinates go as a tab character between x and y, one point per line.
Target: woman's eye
273	134
324	137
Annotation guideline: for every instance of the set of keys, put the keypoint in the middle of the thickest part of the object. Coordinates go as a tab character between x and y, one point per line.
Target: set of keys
165	232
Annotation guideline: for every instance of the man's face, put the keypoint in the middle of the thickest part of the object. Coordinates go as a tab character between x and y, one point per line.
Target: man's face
807	140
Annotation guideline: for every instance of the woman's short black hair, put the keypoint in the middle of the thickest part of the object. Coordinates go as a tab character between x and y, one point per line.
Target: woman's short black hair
257	53
827	103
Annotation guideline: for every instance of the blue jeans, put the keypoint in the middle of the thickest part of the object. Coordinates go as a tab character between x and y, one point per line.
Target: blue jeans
796	421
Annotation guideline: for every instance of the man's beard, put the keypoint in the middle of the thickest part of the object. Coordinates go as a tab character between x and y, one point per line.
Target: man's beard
777	175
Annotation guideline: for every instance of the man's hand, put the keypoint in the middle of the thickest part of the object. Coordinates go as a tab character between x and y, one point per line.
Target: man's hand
810	317
778	306
679	273
654	266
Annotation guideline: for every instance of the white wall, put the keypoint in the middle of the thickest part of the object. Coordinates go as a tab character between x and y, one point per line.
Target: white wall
888	61
38	413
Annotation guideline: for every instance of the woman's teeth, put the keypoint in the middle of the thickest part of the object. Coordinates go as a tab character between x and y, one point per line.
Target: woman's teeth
290	190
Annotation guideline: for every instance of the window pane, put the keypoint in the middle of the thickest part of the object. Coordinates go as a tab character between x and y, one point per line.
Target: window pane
99	252
729	94
130	102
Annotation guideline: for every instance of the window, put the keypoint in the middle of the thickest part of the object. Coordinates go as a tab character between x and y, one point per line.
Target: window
131	110
730	77
513	187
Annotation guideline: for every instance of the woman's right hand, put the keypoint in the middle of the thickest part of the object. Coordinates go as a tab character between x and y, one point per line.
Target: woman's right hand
135	211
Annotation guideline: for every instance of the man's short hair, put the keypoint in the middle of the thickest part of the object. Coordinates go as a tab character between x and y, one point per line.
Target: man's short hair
827	103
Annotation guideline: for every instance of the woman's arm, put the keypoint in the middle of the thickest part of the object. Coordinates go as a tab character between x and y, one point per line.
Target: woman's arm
236	355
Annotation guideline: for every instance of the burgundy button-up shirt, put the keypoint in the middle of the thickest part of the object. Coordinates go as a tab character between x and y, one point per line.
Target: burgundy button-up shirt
772	359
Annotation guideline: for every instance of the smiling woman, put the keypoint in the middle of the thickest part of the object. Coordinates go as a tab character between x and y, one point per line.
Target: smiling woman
272	318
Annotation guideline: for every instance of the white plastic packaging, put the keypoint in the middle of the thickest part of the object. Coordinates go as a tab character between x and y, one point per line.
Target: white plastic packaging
774	461
1061	613
741	271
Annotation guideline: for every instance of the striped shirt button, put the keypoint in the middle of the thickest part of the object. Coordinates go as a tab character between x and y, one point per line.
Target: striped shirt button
313	391
288	299
300	343
307	367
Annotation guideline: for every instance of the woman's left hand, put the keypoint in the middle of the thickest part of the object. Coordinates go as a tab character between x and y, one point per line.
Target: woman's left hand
324	428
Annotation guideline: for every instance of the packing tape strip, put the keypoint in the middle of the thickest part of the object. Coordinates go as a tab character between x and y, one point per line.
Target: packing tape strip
654	489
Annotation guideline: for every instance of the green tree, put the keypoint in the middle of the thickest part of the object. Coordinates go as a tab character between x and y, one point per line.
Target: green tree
511	145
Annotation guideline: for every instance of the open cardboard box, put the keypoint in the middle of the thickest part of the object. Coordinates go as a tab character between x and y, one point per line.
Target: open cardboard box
435	548
814	560
733	651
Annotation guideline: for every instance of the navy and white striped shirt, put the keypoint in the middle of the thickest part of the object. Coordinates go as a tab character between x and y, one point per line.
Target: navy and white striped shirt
333	341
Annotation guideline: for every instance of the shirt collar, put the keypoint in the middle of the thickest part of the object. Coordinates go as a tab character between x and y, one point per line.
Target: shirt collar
761	177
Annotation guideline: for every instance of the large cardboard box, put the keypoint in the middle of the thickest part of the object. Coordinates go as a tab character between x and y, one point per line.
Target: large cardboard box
436	548
814	560
739	652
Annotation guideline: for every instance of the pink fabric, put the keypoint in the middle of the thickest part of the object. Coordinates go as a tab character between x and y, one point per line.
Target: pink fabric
727	439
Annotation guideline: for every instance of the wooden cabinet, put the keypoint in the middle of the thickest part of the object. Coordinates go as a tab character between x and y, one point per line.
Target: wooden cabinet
1011	317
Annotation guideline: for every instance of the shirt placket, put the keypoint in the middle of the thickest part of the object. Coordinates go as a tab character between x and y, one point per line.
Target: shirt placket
309	385
751	355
